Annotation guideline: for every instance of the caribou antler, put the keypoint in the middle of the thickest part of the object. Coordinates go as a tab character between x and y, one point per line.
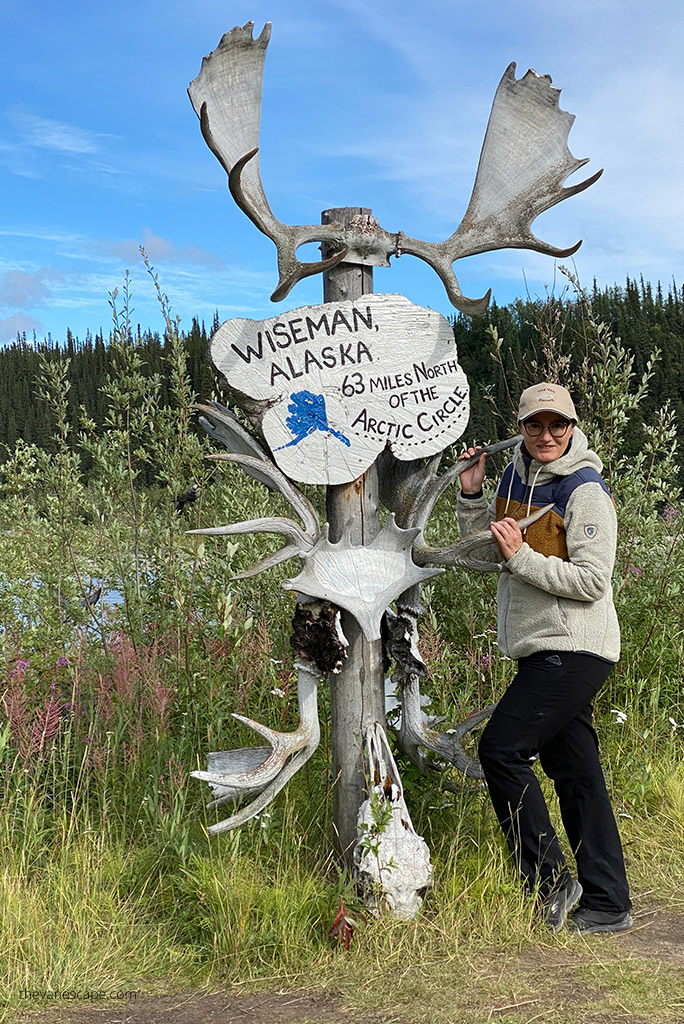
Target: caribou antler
234	773
523	164
461	554
414	734
411	490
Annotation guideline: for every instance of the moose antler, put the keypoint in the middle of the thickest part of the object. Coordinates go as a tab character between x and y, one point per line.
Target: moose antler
265	770
524	162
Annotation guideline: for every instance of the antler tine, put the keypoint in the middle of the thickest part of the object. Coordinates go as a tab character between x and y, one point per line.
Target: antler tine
300	543
273	524
223	426
459	553
414	734
282	555
289	751
440	256
301	504
232	761
432	494
265	797
286	237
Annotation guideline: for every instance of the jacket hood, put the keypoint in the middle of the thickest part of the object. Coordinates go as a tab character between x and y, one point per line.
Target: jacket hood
578	456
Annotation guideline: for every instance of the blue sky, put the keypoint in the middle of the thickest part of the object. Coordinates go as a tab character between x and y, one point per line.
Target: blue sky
376	103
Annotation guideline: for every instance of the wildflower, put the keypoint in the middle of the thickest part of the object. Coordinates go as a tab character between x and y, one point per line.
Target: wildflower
46	724
277	692
675	725
62	662
620	716
19	669
670	514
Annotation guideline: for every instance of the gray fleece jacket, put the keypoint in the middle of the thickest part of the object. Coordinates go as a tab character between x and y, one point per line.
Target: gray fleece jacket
555	593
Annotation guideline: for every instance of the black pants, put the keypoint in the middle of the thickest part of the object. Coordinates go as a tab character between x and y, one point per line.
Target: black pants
547	711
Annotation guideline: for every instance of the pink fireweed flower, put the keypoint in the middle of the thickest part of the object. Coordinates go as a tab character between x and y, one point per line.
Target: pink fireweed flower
46	724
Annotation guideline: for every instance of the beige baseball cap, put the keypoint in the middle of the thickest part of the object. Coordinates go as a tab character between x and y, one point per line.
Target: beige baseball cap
546	398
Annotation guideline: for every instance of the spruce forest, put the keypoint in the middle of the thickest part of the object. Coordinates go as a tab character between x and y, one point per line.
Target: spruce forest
647	321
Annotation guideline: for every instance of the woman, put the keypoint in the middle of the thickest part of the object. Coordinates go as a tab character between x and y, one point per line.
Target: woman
557	619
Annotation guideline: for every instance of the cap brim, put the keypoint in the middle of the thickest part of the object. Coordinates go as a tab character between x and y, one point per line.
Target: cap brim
564	415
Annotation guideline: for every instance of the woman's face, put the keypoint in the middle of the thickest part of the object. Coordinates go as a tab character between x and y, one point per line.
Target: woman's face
545	447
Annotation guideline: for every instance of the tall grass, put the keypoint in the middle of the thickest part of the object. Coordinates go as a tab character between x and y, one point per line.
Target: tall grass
107	877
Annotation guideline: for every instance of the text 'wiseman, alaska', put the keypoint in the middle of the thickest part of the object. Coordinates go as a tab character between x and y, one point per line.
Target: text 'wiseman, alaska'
311	332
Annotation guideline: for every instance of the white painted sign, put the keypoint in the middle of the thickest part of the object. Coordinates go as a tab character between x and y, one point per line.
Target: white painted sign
345	379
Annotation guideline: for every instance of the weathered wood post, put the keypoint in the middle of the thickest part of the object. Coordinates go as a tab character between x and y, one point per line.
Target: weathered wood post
357	694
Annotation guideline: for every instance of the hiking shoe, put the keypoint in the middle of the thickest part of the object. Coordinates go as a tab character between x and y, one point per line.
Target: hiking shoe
558	904
587	921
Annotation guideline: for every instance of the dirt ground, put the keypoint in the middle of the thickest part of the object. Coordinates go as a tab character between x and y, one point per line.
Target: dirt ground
657	936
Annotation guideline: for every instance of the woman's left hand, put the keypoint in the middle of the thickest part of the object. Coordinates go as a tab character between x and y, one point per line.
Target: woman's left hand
508	536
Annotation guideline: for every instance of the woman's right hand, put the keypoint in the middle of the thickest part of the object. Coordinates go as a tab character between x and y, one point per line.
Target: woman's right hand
472	478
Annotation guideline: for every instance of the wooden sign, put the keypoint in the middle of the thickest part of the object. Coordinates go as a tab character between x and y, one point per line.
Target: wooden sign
346	379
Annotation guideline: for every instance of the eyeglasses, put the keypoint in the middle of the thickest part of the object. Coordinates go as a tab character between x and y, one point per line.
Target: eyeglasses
557	429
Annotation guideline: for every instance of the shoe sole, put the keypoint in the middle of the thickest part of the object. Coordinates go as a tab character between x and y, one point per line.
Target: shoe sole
622	926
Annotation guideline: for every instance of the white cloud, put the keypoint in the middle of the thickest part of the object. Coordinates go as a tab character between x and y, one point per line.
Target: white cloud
56	135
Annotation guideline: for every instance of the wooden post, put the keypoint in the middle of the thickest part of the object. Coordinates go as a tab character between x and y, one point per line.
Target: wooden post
357	694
